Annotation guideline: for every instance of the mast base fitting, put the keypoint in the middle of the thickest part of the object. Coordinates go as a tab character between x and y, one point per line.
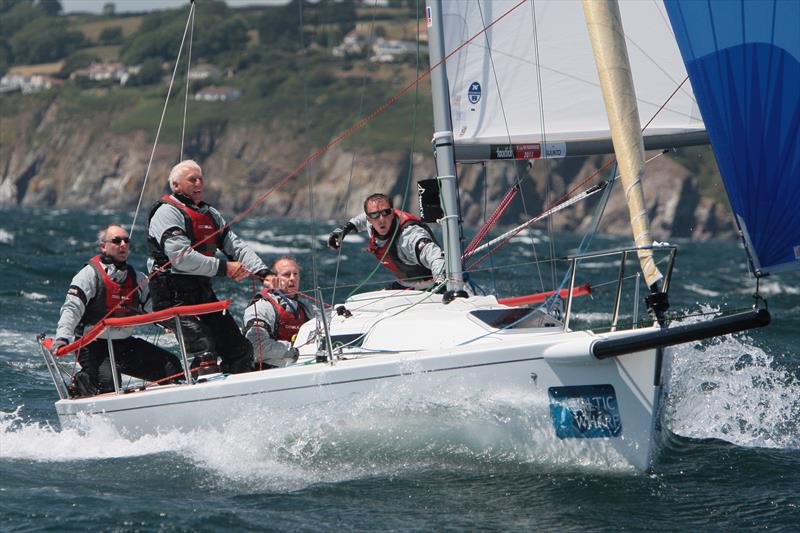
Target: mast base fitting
658	304
449	296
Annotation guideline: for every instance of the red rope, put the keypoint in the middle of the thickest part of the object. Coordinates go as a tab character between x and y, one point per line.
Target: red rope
490	222
554	204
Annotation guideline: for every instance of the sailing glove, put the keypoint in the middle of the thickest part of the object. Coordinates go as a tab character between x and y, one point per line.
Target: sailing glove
338	235
58	343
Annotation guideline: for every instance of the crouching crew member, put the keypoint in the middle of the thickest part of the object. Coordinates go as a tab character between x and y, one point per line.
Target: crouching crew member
103	286
275	315
399	240
183	238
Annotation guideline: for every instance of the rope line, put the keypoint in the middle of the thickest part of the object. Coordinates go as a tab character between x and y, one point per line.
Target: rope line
161	120
186	98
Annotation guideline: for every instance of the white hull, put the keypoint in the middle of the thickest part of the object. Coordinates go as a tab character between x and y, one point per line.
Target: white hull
524	363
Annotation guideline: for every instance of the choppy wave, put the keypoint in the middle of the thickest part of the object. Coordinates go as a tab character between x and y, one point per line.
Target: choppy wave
385	432
700	290
6	237
770	287
34	295
730	389
272	250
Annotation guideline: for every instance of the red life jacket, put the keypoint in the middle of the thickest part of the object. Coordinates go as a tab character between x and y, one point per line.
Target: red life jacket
287	323
123	297
391	259
203	226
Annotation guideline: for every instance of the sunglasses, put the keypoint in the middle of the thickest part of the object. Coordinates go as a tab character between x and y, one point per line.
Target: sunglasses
119	240
375	215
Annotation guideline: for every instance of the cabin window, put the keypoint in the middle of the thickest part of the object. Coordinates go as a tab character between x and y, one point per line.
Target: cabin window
521	317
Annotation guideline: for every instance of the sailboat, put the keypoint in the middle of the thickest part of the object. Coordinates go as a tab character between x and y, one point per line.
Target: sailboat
592	396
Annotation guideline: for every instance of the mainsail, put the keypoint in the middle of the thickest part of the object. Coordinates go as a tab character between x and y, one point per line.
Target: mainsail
531	79
743	59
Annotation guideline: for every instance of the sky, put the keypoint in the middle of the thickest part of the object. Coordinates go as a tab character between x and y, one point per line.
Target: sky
124	6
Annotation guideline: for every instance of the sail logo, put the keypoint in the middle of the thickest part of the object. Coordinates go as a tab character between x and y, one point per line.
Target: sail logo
474	93
503	151
528	151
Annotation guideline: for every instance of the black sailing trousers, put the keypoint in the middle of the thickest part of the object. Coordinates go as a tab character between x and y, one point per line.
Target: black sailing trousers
205	335
134	357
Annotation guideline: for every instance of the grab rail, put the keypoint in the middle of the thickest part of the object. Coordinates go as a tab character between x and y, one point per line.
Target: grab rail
124	322
140	320
623	253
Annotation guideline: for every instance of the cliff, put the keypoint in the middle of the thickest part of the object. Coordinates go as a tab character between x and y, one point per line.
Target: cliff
49	157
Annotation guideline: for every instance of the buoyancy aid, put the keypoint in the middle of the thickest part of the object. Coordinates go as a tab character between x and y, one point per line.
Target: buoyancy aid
122	298
199	226
287	321
391	259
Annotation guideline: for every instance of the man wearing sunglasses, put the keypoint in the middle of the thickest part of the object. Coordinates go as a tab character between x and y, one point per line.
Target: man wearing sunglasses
399	240
109	286
184	234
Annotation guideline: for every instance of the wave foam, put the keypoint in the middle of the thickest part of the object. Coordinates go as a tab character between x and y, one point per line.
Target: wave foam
730	389
385	432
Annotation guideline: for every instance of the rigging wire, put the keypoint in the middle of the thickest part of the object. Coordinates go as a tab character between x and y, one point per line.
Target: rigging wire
361	99
186	98
485	205
306	129
586	241
410	165
518	178
549	178
161	121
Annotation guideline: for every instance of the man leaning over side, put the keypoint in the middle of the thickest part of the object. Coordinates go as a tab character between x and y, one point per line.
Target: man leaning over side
399	240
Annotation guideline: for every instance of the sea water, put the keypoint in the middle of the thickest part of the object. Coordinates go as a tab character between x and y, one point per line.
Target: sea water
388	460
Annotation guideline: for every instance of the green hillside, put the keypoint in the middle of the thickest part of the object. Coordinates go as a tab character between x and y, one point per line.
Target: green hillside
257	51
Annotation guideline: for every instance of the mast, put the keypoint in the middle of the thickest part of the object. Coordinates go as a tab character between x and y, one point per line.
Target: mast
443	148
604	23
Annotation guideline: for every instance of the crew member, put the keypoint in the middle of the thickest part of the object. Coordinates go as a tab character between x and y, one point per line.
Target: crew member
108	285
184	234
275	315
399	240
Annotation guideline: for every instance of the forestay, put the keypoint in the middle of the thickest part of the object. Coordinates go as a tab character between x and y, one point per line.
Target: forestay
743	59
517	85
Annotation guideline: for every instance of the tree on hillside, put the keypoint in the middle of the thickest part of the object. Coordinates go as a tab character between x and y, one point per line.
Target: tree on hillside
148	74
109	9
17	15
111	35
50	7
216	32
7	5
220	35
45	40
6	56
280	26
79	59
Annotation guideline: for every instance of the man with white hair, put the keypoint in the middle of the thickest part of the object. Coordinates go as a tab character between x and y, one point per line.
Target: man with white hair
184	234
